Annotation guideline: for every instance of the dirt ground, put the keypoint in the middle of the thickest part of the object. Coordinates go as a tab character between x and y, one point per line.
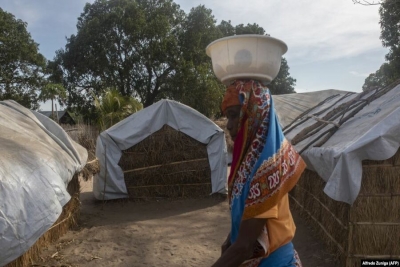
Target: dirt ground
170	233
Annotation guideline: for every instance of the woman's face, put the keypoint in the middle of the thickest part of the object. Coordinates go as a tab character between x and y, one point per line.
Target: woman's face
232	114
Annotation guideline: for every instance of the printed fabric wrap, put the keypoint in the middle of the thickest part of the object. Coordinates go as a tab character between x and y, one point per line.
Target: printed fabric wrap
265	166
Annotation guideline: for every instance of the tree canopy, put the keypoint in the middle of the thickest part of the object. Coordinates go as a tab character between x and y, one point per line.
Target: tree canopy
52	91
112	107
21	64
147	49
390	35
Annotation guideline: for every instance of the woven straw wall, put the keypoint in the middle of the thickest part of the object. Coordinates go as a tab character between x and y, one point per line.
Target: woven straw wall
370	228
167	164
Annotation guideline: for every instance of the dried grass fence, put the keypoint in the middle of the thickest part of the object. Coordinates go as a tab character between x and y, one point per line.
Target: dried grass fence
86	136
167	164
370	228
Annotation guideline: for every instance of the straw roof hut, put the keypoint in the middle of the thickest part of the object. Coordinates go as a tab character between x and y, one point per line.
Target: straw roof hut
62	117
38	183
350	191
165	150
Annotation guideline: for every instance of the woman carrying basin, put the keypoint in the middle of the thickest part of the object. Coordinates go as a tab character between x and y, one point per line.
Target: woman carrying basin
265	166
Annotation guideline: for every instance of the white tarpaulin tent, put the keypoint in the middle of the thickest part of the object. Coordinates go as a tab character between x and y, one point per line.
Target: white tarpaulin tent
372	133
288	107
37	161
139	126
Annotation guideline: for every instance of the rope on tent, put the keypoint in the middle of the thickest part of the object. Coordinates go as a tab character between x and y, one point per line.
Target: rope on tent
323	121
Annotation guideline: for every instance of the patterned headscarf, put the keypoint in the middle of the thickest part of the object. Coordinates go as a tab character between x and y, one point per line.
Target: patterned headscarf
231	98
265	166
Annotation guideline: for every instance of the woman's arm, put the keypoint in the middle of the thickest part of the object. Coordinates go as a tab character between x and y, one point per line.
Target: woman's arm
242	249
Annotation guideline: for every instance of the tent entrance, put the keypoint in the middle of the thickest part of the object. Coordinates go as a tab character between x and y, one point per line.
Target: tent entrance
167	164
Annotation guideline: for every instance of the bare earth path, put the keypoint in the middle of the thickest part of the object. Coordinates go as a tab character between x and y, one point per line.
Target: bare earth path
158	233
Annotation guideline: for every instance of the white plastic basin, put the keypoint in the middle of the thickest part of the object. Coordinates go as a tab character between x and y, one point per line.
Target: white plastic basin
247	56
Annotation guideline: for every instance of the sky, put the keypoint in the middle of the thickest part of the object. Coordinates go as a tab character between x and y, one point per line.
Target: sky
333	44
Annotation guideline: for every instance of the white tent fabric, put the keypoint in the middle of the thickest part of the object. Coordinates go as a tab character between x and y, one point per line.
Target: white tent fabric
288	107
37	161
139	126
373	133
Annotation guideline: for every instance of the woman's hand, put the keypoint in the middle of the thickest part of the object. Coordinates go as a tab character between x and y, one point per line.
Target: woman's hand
243	247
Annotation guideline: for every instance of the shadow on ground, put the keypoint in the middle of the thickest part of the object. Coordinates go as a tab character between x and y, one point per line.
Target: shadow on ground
101	213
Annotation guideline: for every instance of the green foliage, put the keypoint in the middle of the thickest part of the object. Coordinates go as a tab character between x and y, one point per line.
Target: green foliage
198	30
283	83
390	35
52	91
249	29
21	65
227	29
194	82
197	87
132	45
367	2
387	74
112	107
147	49
390	31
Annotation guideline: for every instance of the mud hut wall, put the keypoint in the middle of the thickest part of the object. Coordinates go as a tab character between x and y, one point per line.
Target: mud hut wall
370	228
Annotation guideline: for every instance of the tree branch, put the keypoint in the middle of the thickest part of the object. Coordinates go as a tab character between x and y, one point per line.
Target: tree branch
367	3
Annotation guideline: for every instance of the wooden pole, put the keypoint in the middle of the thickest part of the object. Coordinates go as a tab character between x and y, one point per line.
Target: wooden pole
58	121
105	173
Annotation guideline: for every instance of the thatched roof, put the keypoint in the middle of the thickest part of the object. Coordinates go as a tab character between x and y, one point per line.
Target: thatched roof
63	116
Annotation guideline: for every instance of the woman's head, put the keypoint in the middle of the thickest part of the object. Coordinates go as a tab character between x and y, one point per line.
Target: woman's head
231	98
233	114
231	109
246	101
